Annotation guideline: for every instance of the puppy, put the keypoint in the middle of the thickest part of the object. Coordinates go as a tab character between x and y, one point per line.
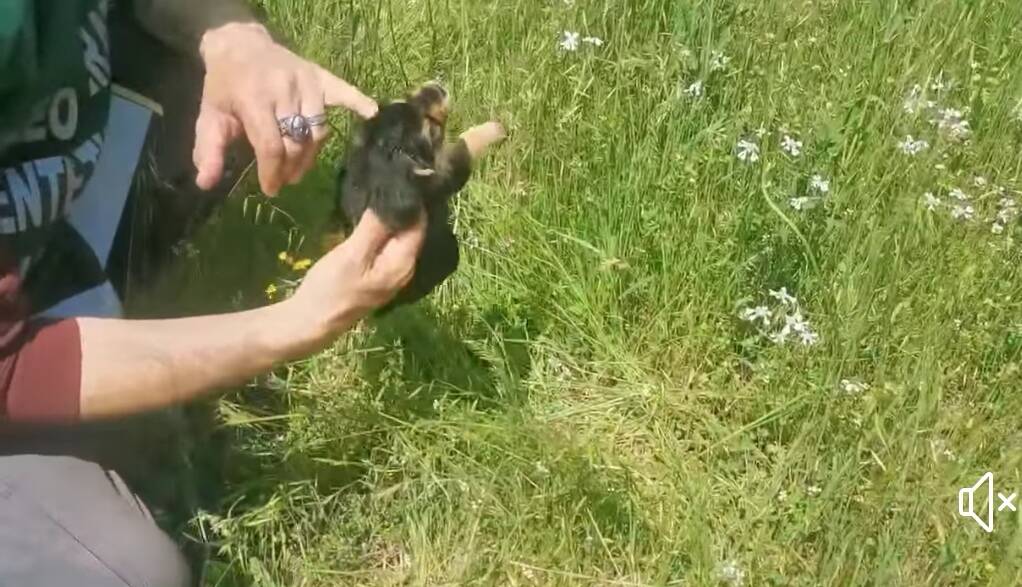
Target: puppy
399	166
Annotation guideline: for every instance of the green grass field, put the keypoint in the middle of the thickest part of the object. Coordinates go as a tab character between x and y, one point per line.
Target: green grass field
598	396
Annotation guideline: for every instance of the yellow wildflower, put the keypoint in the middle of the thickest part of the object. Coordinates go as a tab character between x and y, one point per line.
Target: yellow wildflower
271	290
302	265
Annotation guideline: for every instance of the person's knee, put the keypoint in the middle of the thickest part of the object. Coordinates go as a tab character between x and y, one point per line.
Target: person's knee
160	561
61	511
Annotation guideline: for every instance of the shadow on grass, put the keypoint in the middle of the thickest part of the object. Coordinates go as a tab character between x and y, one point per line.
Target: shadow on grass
414	358
437	363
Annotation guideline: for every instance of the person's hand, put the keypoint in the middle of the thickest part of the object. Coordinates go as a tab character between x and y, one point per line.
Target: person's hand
252	82
359	275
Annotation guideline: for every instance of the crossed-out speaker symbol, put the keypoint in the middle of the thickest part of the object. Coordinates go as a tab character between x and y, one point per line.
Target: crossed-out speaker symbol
967	501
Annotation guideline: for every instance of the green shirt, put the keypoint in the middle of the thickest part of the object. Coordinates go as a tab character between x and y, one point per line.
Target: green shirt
54	101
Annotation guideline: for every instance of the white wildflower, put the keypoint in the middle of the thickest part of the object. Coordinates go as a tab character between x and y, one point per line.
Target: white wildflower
959	195
930	201
594	41
979	181
695	90
185	249
939	446
569	42
757	313
718	61
1006	214
796	323
782	335
913	147
1008	211
953	122
951	114
801	203
960	212
818	183
748	151
731	574
960	130
808	337
782	295
761	131
940	84
914	101
813	490
791	146
853	387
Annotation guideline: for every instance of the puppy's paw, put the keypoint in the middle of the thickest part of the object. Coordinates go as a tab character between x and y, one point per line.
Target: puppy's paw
482	136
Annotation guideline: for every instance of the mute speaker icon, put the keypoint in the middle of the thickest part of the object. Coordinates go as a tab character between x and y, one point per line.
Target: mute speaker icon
967	506
967	501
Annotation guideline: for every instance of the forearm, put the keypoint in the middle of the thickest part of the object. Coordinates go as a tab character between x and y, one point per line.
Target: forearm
130	366
182	23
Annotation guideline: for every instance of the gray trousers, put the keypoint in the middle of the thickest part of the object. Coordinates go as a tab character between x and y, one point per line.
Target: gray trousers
64	521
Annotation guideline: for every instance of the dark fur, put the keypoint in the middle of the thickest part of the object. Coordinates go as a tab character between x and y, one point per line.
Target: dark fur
399	167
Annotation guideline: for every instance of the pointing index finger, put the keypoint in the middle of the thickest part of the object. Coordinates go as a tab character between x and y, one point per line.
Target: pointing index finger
338	92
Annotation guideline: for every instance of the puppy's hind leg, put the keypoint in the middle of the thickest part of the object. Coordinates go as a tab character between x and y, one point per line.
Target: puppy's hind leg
480	137
454	164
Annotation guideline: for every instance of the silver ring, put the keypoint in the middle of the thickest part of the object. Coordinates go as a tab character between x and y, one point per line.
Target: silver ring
295	127
316	119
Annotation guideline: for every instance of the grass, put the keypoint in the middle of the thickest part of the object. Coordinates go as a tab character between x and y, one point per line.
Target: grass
581	404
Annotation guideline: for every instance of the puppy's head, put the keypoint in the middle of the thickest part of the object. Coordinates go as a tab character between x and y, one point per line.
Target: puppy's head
433	102
408	133
393	158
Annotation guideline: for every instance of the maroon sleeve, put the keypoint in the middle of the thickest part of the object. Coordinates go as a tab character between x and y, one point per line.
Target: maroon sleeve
40	361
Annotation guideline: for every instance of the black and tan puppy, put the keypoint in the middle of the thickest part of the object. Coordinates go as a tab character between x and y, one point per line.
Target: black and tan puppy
400	166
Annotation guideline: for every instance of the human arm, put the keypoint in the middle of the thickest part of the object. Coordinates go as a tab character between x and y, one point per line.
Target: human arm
130	366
